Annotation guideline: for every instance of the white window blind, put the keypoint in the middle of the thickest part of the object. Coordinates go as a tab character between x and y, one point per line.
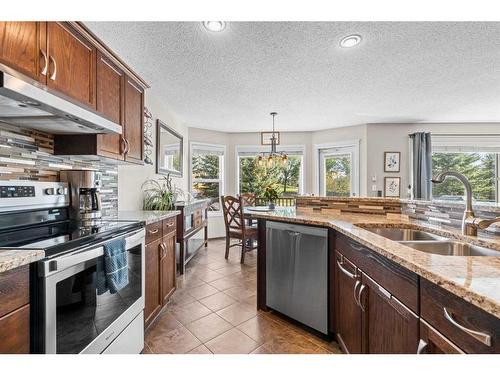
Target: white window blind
466	143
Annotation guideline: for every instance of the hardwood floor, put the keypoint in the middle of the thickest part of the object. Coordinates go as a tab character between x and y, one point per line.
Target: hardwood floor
214	311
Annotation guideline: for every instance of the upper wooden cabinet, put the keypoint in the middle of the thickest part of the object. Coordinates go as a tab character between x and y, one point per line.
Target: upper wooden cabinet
110	102
134	121
72	63
68	60
23	48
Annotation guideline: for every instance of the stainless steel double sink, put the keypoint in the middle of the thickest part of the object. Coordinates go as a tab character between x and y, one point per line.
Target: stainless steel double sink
431	243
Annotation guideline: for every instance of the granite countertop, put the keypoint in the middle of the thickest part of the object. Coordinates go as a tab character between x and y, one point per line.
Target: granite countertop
148	217
10	259
476	279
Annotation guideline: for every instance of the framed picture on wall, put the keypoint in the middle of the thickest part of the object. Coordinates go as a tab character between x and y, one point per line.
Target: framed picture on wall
265	138
392	161
392	187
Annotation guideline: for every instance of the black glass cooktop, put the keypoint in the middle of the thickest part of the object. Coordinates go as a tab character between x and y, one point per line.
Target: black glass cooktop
58	237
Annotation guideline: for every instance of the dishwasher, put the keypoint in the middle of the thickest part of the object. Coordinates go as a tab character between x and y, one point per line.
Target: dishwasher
297	273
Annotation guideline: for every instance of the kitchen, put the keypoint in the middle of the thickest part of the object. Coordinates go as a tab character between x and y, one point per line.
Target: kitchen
154	210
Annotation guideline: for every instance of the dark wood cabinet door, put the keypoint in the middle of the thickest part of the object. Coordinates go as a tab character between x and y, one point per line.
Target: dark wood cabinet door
348	324
110	99
22	48
153	301
15	332
168	267
72	64
433	342
134	121
389	327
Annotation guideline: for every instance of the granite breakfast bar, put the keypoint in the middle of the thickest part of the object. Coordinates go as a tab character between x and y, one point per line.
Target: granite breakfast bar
470	281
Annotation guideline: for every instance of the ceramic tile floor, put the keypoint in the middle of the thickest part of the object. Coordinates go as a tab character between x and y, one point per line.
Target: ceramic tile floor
214	311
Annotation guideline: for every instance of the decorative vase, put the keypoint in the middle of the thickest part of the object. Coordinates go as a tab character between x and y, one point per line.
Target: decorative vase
272	206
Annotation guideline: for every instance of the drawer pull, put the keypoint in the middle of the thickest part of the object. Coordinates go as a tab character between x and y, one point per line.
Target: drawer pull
170	224
480	336
346	272
422	346
153	231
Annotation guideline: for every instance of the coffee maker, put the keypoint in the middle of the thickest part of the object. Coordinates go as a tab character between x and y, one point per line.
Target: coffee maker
85	196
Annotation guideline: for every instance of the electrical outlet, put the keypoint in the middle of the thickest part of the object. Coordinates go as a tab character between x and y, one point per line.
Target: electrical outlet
374	187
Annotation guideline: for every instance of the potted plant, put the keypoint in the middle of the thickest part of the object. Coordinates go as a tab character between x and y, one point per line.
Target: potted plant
271	195
159	195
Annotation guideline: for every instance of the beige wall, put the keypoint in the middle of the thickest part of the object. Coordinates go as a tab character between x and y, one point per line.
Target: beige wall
394	137
374	140
131	177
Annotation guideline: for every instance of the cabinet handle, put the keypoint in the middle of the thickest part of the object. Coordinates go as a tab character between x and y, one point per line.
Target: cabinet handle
358	283
153	231
163	250
361	289
482	337
170	224
122	140
422	346
54	73
46	62
127	146
346	272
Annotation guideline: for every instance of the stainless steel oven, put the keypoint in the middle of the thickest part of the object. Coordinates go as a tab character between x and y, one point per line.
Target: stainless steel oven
77	317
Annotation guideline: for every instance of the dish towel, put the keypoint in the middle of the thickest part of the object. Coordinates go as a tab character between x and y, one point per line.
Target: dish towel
116	265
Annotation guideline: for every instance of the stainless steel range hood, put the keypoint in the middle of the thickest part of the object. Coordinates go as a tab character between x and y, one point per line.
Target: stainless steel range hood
26	105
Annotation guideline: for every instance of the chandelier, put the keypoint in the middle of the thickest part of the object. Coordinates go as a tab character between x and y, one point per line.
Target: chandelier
272	158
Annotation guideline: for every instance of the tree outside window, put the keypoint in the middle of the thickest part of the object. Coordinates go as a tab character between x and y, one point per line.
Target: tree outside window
479	167
255	178
206	167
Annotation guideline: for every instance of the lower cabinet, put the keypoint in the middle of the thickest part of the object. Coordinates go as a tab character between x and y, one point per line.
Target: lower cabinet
153	302
160	267
433	342
168	268
348	315
368	318
388	325
15	311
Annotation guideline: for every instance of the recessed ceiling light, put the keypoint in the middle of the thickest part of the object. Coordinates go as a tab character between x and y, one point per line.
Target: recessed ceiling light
350	41
214	25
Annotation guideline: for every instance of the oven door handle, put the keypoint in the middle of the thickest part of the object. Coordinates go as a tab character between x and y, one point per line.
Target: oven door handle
54	266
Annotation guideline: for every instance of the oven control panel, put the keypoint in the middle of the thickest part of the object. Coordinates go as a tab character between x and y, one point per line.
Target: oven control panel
17	195
17	191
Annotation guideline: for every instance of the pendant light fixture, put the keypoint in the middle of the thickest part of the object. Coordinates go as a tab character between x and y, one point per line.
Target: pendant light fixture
272	158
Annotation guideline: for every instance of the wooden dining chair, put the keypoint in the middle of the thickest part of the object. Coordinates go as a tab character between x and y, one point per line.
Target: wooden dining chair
249	199
236	227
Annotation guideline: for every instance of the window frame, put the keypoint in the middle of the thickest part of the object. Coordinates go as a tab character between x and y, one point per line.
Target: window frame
462	143
256	149
344	147
222	162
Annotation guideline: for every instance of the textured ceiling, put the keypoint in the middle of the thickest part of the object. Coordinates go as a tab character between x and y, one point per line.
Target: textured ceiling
230	81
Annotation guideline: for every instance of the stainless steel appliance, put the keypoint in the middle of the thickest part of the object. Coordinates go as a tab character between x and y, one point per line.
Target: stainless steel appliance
70	312
24	104
85	197
297	273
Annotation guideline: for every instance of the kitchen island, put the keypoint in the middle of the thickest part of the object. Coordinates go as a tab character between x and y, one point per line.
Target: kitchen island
459	295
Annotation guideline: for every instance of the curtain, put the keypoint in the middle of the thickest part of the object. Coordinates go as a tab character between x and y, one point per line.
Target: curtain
422	165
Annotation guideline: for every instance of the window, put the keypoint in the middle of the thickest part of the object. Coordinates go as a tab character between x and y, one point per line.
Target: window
207	177
477	157
338	170
253	178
